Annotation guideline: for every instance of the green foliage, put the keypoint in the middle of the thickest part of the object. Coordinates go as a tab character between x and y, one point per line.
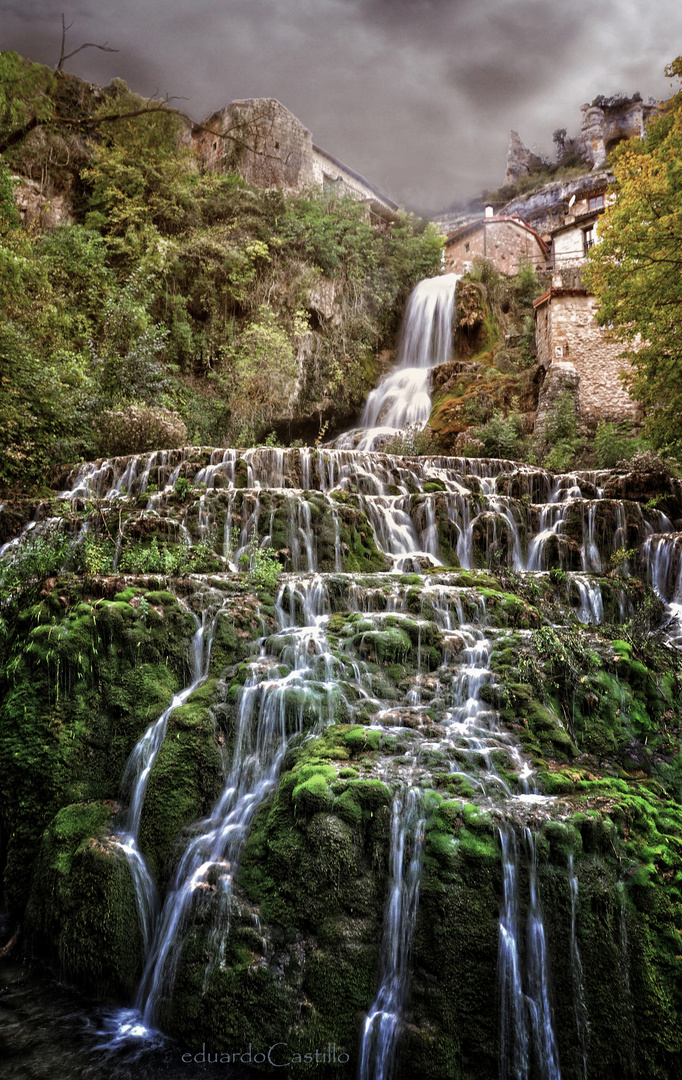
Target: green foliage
37	558
264	368
613	443
182	487
634	268
24	93
9	218
154	559
191	293
139	178
501	436
137	429
96	553
560	434
411	442
263	566
526	283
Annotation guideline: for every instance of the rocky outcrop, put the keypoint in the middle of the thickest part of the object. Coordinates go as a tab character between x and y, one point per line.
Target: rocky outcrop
36	207
608	121
546	208
520	160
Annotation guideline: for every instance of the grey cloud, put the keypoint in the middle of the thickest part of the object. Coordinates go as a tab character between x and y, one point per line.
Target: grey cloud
418	95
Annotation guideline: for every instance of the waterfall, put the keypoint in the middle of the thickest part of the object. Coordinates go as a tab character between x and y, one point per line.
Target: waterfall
402	399
382	1024
313	504
527	1040
211	858
136	777
581	1021
591	608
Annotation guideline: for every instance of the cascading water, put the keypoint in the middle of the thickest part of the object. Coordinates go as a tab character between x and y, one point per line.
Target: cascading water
527	1040
136	777
402	399
581	1021
211	858
317	507
381	1028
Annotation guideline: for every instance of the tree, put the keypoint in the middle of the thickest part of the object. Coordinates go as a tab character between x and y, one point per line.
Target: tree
636	268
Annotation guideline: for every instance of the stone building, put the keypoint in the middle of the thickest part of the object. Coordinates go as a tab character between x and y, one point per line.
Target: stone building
547	208
578	355
270	147
505	240
572	240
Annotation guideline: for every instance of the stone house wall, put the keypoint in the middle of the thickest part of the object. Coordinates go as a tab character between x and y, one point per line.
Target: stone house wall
270	147
504	241
568	245
568	334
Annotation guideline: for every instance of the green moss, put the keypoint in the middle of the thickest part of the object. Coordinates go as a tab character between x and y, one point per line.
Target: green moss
360	739
82	906
185	780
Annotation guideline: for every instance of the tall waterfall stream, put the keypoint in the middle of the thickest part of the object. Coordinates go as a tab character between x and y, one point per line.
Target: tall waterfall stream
407	517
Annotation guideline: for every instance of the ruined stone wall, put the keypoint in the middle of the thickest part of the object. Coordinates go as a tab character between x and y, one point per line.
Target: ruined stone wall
567	332
505	243
261	140
269	146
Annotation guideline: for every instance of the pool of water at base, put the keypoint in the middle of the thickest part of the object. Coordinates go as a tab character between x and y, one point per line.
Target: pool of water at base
49	1031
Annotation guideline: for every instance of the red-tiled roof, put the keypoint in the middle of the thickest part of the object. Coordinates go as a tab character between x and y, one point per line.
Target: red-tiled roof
560	290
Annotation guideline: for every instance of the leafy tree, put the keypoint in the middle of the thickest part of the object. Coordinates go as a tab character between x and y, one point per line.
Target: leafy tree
177	296
636	268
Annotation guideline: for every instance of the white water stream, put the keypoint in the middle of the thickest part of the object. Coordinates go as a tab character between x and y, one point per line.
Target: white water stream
403	399
500	513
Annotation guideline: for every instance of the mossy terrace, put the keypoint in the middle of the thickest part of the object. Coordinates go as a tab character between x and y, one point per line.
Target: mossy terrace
366	692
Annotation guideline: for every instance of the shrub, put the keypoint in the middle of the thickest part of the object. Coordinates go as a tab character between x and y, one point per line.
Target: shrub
561	434
501	436
411	442
136	429
613	443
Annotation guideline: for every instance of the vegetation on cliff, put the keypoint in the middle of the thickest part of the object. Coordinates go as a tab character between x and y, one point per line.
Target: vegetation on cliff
234	309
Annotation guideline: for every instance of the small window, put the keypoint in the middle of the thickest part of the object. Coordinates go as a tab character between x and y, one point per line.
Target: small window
330	183
276	146
215	145
597	202
589	238
466	247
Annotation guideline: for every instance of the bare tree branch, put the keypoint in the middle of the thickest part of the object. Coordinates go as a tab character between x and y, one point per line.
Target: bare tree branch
87	45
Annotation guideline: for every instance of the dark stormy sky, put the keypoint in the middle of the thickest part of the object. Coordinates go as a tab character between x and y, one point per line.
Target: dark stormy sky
417	95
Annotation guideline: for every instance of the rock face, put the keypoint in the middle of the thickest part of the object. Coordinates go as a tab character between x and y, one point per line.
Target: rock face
520	160
608	121
546	208
38	208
